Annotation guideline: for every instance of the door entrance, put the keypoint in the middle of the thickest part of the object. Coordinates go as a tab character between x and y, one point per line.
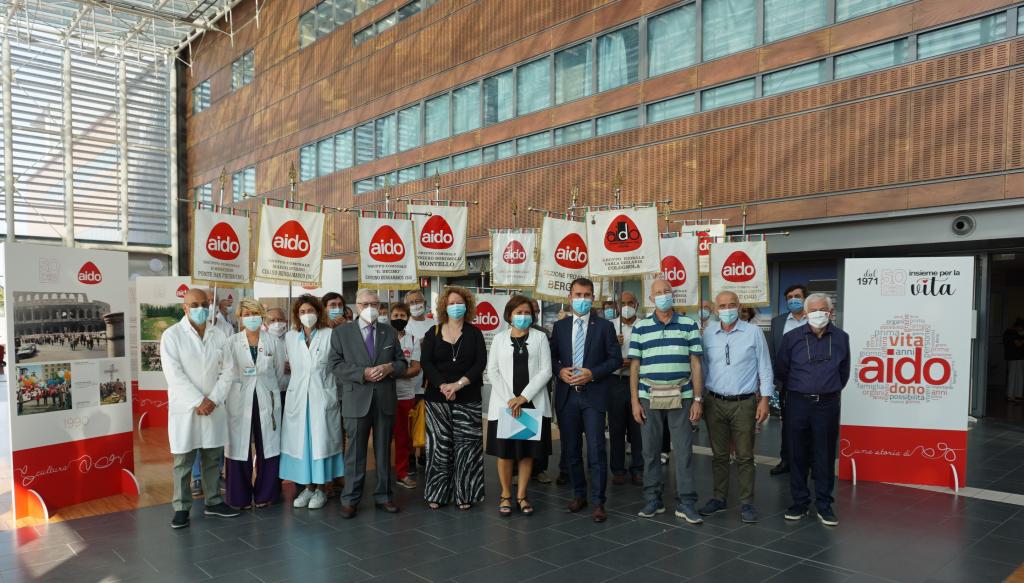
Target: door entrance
1005	393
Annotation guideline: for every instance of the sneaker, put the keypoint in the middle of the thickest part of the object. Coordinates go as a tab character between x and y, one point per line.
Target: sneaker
407	482
222	510
180	519
651	508
749	514
543	478
796	512
318	500
302	500
688	513
664	459
197	489
714	505
827	516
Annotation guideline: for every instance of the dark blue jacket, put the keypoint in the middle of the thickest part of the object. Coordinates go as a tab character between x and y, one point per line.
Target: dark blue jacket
602	355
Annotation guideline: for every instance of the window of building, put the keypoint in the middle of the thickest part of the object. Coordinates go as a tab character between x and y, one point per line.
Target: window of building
572	73
434	167
574	133
344	11
1020	20
786	18
409	9
847	9
343	150
363	186
243	182
364	143
672	40
386	22
307	29
618	58
730	94
385	180
386	135
203	193
794	78
436	119
617	122
729	26
324	18
243	69
533	86
533	143
466	159
466	108
961	36
498	98
671	108
201	97
409	174
363	35
325	157
499	151
307	162
409	128
871	59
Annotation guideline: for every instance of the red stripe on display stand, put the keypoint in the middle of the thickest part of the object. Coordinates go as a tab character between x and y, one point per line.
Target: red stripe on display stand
903	456
152	404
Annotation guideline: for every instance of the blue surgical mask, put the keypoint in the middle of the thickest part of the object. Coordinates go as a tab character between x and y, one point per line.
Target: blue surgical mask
663	302
199	315
335	313
609	313
582	305
705	313
252	323
795	304
456	311
728	316
522	321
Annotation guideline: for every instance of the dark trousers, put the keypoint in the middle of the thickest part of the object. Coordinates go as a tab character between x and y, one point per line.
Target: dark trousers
782	415
358	430
578	418
622	428
240	490
812	432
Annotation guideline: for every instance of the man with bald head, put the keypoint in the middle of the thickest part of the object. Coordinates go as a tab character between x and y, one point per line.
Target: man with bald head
738	385
199	378
622	427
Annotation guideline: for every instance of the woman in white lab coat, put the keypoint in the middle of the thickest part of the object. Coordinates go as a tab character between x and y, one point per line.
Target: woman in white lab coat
254	411
311	428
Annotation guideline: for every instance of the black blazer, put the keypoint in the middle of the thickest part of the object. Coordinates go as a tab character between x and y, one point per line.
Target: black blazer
601	354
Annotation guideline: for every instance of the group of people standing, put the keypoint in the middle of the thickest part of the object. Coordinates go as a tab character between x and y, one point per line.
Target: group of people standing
300	402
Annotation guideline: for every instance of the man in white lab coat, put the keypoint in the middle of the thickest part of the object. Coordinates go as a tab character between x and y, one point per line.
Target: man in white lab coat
198	382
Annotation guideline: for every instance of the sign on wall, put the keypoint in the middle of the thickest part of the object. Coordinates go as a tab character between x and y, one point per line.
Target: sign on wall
741	267
708	234
904	413
387	254
624	242
514	258
291	245
679	265
440	239
563	257
220	248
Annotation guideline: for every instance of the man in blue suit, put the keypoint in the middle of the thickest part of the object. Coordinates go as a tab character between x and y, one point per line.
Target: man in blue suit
584	352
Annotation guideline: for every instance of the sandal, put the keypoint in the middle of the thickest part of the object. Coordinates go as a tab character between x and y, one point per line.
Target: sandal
505	506
525	507
465	506
434	505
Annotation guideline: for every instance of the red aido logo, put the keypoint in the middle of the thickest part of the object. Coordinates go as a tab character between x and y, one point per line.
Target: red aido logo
486	317
514	253
622	235
571	253
386	246
291	240
738	268
181	291
223	242
704	241
437	234
89	274
673	270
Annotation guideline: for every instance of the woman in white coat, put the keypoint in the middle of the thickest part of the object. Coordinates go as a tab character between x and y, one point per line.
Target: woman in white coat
254	411
311	428
519	367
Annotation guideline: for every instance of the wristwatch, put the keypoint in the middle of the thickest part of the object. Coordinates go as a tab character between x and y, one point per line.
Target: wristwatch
698	399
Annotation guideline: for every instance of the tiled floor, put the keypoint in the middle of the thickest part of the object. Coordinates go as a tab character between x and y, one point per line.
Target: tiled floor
886	533
995	456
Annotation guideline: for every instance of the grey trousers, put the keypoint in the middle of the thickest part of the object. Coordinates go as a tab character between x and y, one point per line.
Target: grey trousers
358	430
681	434
210	462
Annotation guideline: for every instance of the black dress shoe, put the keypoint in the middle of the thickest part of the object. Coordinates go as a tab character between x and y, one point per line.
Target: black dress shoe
782	468
180	519
563	479
388	507
599	513
348	511
577	504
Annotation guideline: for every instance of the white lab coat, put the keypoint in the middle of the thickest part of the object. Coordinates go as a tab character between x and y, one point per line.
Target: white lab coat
311	379
499	371
195	368
265	385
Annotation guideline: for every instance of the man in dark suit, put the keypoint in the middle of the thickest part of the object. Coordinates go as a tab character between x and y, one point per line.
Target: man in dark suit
793	317
584	352
366	360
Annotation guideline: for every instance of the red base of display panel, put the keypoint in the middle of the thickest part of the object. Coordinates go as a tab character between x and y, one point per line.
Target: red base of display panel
152	404
903	456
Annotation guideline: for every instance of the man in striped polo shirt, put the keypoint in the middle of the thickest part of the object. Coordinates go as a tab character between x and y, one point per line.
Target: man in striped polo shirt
666	385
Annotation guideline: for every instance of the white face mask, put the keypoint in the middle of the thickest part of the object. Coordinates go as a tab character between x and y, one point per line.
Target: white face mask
383	319
628	312
417	310
278	328
369	314
818	319
309	320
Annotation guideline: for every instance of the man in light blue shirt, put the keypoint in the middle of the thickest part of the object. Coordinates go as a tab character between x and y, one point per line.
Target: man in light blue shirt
738	384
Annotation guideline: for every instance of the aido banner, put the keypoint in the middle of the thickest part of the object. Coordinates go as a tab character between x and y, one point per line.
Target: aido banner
707	234
679	266
490	309
220	248
291	245
904	413
624	242
741	267
563	257
440	239
387	255
514	258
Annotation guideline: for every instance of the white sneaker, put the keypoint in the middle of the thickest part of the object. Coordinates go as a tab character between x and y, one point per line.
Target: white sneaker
319	500
302	500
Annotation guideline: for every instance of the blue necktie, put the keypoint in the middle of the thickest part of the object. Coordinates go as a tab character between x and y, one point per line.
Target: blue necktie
577	344
370	343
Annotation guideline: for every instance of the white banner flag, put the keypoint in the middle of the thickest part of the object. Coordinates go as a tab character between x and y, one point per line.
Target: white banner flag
291	245
679	267
623	243
387	257
440	239
220	248
563	257
741	267
707	234
514	258
490	311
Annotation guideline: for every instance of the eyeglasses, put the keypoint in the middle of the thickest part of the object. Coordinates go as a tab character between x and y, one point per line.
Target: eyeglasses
807	344
369	304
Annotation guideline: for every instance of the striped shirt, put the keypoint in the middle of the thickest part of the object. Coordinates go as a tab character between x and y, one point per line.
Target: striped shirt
664	350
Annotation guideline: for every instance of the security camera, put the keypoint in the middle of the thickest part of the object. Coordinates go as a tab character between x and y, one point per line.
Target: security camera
963	225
